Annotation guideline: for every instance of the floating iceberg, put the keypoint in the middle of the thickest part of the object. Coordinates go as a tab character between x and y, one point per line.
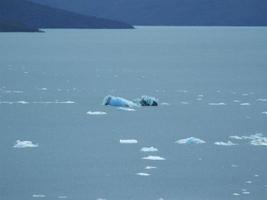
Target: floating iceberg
25	144
125	103
190	140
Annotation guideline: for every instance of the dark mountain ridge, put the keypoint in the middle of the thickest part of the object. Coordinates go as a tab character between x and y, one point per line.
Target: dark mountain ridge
173	12
34	15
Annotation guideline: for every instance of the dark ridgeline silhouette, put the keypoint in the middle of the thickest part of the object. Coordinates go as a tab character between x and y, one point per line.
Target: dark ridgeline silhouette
13	26
173	12
22	15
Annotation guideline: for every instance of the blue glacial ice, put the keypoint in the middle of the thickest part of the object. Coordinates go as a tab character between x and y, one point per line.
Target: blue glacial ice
125	103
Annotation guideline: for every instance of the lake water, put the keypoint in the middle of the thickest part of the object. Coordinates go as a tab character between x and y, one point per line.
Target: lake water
210	82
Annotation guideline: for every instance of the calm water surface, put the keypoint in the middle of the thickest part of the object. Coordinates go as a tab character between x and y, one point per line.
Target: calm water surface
211	83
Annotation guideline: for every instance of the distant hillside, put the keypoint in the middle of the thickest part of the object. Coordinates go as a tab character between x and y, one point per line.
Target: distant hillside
173	12
36	15
8	26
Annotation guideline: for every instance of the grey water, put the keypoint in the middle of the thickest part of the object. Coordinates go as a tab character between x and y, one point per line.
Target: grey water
201	76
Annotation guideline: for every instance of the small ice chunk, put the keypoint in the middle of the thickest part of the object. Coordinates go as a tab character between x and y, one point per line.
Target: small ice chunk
245	104
184	102
62	197
236	101
236	194
128	141
25	144
264	112
153	158
245	192
262	100
256	175
150	167
142	174
229	143
127	109
234	166
190	140
149	149
248	182
38	196
165	104
22	102
217	104
235	137
96	113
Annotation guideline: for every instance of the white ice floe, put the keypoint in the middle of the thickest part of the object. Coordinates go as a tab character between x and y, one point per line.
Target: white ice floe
149	149
256	175
96	113
236	194
25	144
38	195
245	104
153	158
217	104
142	174
184	102
264	112
190	140
44	89
262	100
248	182
150	167
128	141
126	109
229	143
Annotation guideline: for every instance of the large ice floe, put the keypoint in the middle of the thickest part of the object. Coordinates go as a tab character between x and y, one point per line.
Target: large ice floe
25	144
190	140
125	103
